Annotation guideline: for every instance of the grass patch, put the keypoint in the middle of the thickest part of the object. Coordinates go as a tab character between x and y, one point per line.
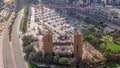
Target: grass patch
111	45
112	65
22	24
30	65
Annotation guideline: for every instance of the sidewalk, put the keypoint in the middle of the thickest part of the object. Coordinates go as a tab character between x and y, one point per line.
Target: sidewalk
1	50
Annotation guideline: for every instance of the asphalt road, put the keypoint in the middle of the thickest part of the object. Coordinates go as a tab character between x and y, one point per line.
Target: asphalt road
7	57
12	53
19	59
17	48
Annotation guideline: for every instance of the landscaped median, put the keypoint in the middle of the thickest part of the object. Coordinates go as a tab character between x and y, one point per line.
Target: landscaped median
11	25
23	24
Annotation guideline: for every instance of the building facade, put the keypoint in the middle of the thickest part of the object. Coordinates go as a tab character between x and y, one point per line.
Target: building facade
113	2
89	2
63	45
48	42
78	46
108	2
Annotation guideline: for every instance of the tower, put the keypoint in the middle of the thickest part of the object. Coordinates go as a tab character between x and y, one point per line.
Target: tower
78	46
48	42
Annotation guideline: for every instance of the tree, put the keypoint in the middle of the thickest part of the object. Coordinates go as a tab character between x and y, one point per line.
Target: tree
27	40
56	59
28	50
31	56
63	60
72	62
49	58
39	56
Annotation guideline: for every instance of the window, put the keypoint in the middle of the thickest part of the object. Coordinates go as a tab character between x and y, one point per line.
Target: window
77	47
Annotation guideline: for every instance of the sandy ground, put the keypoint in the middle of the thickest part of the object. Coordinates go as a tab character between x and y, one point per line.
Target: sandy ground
89	52
1	51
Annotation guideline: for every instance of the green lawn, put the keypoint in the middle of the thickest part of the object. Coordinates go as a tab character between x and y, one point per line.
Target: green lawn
111	45
30	65
22	24
112	65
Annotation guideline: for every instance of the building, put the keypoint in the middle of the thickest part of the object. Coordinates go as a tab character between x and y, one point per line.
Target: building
113	2
86	2
89	2
78	46
48	42
108	2
63	45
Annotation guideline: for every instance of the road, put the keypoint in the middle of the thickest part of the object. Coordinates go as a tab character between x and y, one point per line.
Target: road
7	57
19	59
17	48
1	50
12	53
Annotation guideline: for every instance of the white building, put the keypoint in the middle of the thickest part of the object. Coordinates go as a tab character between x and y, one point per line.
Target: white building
89	2
113	2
